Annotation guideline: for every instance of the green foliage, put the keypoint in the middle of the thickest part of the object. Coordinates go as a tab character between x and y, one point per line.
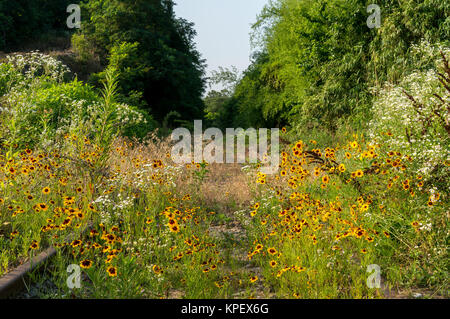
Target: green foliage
218	109
7	78
124	57
228	78
255	100
81	47
220	105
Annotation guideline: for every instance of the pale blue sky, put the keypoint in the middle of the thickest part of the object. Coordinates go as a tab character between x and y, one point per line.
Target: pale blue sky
223	29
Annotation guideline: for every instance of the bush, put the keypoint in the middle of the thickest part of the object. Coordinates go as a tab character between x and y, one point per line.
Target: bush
38	106
82	49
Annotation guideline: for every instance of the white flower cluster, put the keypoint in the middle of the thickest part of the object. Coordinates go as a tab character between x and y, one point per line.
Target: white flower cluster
416	129
143	176
112	205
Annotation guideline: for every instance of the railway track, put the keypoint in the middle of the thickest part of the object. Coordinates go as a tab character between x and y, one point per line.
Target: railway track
18	279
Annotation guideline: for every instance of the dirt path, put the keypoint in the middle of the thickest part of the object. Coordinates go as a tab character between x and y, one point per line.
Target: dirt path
227	189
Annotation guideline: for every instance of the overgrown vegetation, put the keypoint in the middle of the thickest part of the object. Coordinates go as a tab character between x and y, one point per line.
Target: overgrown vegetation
153	50
316	62
364	170
23	20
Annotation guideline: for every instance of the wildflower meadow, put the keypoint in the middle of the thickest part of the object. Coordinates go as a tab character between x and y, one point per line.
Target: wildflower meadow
357	208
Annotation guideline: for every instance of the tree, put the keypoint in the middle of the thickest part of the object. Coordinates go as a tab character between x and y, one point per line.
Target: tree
318	60
23	20
219	105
